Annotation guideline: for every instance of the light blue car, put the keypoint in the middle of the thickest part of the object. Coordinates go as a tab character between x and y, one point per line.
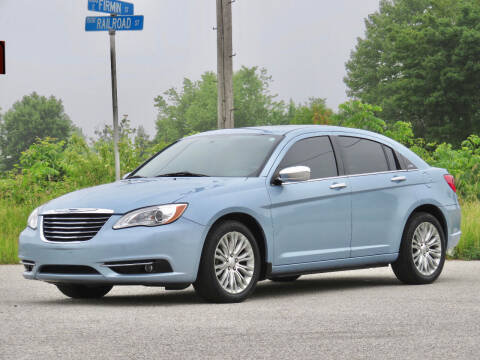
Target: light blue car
224	209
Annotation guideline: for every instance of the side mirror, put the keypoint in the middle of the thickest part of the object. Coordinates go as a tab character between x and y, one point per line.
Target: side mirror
293	174
126	175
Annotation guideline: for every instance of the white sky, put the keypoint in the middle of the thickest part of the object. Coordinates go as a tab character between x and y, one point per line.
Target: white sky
304	45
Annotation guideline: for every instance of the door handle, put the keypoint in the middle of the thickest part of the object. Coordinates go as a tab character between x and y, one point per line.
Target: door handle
338	186
398	178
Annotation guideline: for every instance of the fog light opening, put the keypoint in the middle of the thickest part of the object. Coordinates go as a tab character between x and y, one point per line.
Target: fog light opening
28	265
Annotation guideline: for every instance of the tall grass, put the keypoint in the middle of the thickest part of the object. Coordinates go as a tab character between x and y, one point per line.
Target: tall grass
12	221
469	245
13	218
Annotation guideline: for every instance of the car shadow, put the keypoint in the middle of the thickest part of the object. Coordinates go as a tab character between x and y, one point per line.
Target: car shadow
265	289
320	285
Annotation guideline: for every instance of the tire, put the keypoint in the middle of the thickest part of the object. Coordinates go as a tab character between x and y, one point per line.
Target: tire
285	278
78	291
417	263
208	284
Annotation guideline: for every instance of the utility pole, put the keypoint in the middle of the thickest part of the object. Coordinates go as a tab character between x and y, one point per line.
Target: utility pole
225	64
113	67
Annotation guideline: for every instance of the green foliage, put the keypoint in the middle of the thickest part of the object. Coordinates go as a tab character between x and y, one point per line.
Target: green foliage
463	163
361	116
194	108
315	111
29	119
419	62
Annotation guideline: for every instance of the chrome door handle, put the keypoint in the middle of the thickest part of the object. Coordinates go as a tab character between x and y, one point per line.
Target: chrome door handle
338	186
398	178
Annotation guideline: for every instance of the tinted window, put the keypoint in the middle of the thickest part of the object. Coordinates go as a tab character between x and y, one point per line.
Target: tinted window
392	163
316	153
213	155
406	164
362	156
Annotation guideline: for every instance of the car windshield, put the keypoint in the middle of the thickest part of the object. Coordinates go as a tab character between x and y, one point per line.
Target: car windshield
212	155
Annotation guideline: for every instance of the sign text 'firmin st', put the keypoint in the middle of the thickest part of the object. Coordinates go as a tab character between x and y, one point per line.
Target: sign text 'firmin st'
111	7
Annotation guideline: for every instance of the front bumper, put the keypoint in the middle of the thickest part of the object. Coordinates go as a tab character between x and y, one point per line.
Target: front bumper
179	243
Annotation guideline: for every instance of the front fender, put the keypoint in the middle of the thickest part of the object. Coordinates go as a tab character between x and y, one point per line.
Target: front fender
251	199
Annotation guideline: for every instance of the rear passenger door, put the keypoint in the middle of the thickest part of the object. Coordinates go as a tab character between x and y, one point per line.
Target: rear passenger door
381	193
311	219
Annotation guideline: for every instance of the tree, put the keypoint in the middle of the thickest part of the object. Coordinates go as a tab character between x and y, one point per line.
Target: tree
419	62
358	115
315	111
34	117
142	142
193	108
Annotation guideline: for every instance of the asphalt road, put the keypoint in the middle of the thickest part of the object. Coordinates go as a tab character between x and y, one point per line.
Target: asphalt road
345	315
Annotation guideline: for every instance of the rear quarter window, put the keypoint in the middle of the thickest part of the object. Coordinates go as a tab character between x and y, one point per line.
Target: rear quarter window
405	163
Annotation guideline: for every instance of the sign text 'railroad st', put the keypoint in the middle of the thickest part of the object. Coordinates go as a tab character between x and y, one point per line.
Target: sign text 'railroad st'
116	23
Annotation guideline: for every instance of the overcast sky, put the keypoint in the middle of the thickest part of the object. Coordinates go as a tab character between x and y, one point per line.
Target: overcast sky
303	44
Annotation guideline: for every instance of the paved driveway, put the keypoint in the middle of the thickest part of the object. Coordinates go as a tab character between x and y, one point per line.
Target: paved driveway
345	315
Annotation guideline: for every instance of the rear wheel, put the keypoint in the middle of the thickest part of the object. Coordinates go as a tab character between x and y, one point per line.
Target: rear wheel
422	252
78	291
230	264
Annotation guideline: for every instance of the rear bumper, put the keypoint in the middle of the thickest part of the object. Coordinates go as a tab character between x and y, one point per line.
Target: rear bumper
453	216
179	243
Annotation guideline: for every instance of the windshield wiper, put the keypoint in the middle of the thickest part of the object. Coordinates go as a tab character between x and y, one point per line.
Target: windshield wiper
134	177
181	174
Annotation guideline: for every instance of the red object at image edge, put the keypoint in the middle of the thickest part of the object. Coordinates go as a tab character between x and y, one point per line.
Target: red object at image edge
2	57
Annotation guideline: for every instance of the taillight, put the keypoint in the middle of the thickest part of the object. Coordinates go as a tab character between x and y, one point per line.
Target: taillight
450	181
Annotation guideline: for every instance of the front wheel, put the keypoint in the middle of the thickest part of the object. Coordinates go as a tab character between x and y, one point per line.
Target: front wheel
78	291
230	264
422	252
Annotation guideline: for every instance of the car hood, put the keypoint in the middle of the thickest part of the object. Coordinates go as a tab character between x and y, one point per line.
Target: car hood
125	195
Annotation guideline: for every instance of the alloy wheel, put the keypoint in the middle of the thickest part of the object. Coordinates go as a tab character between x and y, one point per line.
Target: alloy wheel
426	248
234	262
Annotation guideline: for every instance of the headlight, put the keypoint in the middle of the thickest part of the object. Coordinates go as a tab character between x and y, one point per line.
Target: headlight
32	221
151	216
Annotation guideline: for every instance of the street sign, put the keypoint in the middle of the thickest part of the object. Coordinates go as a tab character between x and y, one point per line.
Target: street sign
111	6
121	18
116	23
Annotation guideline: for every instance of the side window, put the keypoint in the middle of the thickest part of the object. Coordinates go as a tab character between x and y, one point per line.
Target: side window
361	156
405	163
392	162
316	153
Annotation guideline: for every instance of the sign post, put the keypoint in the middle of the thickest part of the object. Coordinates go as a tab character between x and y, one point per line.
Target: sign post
113	70
121	18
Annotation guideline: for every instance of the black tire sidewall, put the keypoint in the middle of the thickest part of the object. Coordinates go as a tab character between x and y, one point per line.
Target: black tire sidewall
407	246
207	276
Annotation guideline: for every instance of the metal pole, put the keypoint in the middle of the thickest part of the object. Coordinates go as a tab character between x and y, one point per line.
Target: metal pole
225	64
113	66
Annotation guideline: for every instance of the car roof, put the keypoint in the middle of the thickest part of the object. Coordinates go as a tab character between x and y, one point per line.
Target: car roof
274	129
290	131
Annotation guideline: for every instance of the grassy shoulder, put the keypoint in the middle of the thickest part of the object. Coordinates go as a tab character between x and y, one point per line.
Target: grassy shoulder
13	218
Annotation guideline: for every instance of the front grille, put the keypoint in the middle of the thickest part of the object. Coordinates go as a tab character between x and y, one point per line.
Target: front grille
73	227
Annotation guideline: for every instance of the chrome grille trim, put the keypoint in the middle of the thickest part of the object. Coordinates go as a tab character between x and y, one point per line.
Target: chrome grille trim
73	225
